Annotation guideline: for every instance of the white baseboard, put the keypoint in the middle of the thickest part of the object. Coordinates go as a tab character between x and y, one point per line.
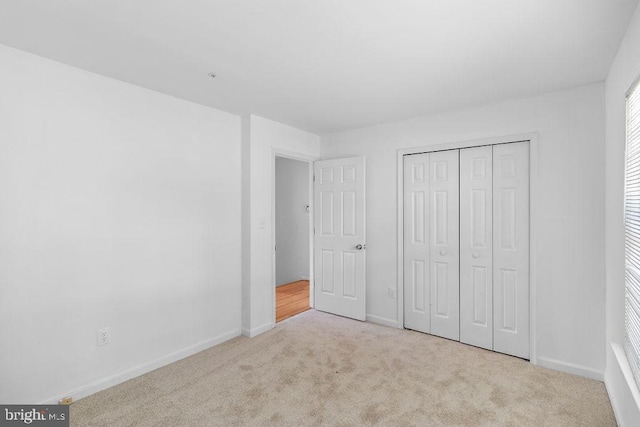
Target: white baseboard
615	405
382	320
257	331
136	371
570	368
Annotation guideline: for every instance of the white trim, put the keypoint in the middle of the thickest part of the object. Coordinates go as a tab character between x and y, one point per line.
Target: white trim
570	368
625	368
400	239
293	155
621	387
385	321
614	402
633	86
468	144
312	295
250	333
532	137
615	405
533	245
136	371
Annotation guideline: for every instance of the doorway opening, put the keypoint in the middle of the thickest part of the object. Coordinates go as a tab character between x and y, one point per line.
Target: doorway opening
292	237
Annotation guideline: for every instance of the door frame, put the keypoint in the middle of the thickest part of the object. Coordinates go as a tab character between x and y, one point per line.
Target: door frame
532	137
276	152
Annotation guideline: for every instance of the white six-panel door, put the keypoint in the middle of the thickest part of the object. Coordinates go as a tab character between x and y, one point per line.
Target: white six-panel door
417	300
476	252
511	249
339	246
444	244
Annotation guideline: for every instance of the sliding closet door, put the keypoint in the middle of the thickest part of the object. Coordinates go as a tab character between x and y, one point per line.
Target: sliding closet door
416	243
476	252
444	244
511	249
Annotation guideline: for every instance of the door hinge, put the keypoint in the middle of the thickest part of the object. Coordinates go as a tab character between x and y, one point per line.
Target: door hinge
314	177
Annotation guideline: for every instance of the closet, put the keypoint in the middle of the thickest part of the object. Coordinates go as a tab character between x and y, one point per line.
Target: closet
466	245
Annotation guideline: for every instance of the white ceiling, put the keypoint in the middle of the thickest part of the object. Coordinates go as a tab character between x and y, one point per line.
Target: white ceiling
328	65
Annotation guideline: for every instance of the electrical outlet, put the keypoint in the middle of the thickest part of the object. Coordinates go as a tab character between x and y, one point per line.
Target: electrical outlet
66	401
104	336
392	292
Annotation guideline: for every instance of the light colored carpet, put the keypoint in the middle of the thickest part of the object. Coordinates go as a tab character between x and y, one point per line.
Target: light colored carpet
319	369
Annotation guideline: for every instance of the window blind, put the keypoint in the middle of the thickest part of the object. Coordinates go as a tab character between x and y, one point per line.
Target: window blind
632	233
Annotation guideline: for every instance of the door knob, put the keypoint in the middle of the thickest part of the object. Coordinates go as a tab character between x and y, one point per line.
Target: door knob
443	253
475	255
361	247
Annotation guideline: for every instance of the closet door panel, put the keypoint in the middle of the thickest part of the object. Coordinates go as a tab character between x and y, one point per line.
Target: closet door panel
417	299
511	249
476	249
444	243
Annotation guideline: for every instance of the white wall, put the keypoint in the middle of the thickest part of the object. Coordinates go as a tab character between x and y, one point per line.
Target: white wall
570	213
119	207
266	138
624	70
292	220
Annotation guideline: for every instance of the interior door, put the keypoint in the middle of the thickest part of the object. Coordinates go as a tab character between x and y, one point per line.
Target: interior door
511	248
476	249
417	300
444	244
340	245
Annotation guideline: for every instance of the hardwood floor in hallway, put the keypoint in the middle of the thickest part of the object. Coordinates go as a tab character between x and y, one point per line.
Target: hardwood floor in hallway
292	299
